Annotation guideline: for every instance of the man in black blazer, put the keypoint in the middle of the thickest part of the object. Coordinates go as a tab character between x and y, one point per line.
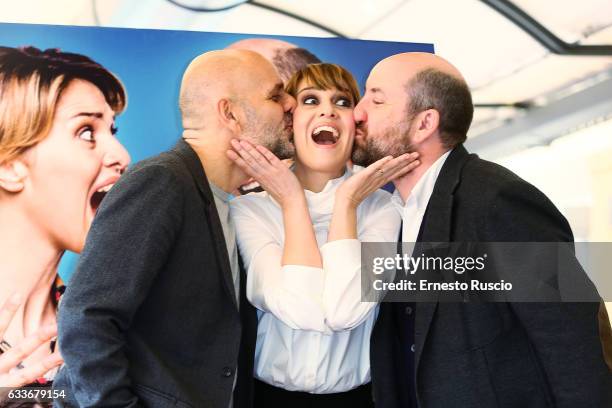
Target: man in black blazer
156	314
468	354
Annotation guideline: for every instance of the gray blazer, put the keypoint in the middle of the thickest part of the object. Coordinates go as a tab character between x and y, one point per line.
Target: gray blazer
150	316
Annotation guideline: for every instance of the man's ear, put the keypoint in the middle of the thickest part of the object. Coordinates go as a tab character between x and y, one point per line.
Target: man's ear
426	124
228	115
13	175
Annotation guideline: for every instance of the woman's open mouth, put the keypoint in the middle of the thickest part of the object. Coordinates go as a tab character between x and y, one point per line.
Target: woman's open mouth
98	196
325	135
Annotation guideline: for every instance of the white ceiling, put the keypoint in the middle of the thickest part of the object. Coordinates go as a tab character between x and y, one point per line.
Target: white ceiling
570	20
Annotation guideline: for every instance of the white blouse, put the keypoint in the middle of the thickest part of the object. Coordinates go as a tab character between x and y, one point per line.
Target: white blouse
313	333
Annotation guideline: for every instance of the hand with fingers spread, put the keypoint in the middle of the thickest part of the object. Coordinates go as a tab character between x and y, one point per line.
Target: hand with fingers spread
10	375
357	187
270	172
283	186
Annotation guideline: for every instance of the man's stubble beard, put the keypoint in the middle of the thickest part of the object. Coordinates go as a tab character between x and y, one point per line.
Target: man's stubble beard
282	144
394	141
273	137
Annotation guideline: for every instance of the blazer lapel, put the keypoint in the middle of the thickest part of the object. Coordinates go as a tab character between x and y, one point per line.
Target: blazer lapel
194	164
436	227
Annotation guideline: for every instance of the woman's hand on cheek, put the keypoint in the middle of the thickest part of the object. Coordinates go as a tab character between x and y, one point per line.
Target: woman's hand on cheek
10	375
271	173
356	188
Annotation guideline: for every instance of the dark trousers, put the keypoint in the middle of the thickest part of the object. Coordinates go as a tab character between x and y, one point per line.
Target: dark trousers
268	396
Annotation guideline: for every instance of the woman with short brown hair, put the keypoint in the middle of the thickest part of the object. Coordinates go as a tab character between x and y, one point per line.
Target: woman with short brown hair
300	242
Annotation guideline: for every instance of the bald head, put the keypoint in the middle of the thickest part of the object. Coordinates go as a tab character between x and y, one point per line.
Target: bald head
215	75
405	66
413	102
286	57
431	82
235	94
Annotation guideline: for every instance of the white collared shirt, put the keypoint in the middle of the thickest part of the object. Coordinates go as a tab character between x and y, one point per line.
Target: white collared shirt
413	210
300	306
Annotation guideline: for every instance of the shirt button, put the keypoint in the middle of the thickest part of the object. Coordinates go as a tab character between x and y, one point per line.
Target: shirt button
408	310
412	348
227	372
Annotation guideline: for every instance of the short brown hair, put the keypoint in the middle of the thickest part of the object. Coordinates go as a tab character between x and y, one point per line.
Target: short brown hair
31	83
449	95
325	76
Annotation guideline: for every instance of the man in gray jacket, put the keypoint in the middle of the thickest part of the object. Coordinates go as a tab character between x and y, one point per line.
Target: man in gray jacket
155	314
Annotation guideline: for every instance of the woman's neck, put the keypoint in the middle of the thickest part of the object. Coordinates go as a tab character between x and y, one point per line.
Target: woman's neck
314	180
28	267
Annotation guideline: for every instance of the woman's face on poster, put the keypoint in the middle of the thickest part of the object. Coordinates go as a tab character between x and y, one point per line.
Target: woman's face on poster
324	128
72	169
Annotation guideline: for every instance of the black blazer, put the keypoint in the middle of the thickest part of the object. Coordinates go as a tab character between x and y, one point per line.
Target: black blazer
490	354
150	316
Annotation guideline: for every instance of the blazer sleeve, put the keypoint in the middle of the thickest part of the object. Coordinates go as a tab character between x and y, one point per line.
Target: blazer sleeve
564	336
127	246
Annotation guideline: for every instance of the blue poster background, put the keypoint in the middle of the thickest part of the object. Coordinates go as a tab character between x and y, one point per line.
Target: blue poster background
150	64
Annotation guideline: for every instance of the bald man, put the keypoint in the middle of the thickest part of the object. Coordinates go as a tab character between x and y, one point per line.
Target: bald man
156	313
286	57
439	354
